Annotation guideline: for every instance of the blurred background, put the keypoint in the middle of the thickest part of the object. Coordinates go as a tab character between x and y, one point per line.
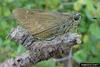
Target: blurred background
89	51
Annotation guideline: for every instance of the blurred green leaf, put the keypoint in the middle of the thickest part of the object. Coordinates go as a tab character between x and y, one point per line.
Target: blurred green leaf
80	56
1	41
48	63
95	59
90	6
6	11
78	4
98	9
95	30
95	49
20	49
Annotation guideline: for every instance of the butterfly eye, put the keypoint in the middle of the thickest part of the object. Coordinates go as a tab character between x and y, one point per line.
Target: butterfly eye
77	16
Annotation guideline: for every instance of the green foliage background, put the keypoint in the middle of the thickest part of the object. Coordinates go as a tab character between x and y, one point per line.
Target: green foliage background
89	27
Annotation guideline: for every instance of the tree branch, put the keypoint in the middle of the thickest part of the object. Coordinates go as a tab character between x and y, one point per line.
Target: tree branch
39	50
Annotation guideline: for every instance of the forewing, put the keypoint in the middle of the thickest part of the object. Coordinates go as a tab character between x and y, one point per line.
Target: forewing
37	22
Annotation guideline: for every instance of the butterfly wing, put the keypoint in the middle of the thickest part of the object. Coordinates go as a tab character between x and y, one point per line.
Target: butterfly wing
37	22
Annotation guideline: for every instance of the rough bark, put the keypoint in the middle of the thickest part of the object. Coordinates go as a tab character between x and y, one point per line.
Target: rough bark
39	50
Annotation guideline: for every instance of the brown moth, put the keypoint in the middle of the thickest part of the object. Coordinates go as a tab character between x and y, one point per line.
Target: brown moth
43	25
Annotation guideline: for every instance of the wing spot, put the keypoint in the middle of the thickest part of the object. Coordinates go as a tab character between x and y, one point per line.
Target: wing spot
27	12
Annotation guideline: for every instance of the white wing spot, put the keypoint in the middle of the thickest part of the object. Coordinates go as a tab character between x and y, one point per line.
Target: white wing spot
27	11
39	26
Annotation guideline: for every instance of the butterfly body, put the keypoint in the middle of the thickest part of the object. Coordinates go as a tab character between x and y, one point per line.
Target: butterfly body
45	25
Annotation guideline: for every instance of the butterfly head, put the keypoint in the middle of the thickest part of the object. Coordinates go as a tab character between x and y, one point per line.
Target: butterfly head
77	16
